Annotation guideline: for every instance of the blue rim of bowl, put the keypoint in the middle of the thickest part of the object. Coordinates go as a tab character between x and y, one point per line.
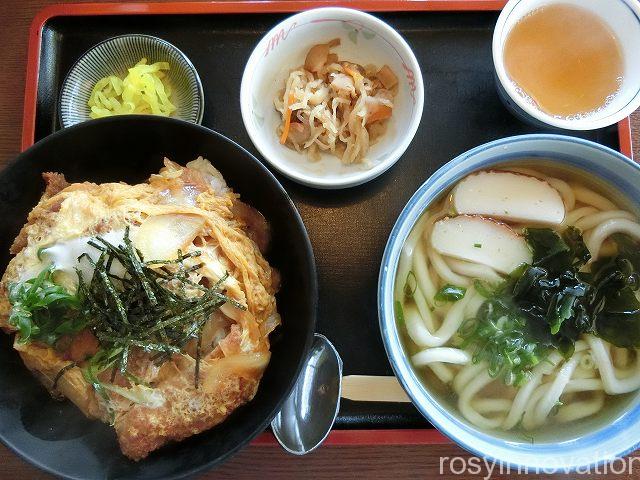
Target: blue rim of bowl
404	373
136	35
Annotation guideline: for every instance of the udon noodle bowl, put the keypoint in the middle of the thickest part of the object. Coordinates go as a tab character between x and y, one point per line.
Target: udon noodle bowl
517	297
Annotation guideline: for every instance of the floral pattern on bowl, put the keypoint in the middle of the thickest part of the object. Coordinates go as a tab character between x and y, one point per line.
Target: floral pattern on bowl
365	40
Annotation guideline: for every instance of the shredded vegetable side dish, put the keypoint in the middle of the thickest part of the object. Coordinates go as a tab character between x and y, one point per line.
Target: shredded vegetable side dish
144	90
334	106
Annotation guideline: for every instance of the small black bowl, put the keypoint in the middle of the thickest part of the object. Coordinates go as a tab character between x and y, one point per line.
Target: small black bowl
56	436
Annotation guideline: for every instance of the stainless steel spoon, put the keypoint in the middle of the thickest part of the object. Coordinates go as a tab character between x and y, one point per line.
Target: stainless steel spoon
309	412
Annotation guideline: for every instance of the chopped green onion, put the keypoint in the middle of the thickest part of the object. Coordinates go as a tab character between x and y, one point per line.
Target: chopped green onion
399	312
410	284
450	293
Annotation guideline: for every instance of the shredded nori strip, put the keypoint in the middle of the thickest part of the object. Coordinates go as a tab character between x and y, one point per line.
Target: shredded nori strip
146	308
61	372
137	268
198	348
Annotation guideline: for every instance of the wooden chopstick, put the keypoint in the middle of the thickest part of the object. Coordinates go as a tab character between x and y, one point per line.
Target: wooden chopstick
369	388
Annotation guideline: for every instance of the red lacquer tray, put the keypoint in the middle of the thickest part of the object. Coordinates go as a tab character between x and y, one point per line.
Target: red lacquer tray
452	41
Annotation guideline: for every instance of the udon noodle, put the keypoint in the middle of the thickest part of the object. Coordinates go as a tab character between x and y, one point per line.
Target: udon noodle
562	387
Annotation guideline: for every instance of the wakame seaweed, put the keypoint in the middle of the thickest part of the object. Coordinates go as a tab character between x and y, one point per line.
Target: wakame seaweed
550	303
616	309
550	290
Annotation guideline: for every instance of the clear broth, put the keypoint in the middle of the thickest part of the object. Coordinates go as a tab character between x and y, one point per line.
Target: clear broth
550	432
565	58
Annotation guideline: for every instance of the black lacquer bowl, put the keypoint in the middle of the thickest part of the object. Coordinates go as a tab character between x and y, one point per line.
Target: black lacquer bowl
56	436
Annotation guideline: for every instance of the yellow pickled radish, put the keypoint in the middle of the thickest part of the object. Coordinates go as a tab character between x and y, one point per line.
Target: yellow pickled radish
141	91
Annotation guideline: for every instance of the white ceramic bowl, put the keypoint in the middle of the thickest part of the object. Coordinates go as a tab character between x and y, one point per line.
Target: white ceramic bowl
622	16
585	443
365	40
